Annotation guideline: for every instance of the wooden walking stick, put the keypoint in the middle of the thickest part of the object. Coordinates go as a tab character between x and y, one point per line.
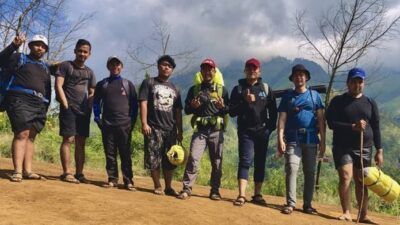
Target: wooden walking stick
360	207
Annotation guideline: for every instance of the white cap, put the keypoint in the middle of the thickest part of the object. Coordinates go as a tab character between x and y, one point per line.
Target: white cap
39	37
114	57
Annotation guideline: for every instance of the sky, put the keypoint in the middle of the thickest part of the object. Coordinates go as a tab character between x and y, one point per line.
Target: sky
224	30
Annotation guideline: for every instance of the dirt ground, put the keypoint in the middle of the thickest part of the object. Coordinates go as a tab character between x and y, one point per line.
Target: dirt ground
56	202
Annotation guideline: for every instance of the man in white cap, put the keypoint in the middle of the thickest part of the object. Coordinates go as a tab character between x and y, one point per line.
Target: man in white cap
115	98
75	84
26	101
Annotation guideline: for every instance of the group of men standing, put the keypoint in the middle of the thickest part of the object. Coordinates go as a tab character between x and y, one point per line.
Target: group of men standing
300	120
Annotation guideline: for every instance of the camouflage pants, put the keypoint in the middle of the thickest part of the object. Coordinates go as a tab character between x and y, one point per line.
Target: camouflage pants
156	145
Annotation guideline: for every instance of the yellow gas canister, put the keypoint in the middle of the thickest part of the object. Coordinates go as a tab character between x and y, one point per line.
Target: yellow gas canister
381	184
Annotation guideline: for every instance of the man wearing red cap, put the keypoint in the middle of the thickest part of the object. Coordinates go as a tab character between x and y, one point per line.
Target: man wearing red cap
208	104
254	105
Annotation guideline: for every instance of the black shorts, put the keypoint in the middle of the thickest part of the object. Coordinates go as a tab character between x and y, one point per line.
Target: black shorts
156	147
343	156
72	124
25	115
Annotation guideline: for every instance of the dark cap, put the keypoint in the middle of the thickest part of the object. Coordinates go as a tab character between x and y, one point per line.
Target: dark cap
302	68
209	62
114	58
254	62
356	72
167	58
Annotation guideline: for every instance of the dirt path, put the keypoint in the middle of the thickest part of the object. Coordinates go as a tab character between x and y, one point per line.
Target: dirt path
56	202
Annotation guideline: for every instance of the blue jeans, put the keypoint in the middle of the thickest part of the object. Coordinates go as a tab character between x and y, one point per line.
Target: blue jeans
307	153
252	148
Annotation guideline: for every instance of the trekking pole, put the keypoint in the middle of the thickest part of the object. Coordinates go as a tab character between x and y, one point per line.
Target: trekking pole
362	175
318	174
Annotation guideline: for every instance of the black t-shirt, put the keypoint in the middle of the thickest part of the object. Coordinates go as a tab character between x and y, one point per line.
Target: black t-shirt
255	116
76	83
116	108
163	98
31	76
343	111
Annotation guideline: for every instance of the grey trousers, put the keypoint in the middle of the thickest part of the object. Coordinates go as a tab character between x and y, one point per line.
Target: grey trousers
200	140
307	153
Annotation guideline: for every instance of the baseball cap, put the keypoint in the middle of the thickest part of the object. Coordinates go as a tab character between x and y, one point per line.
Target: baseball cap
254	62
114	57
209	62
356	72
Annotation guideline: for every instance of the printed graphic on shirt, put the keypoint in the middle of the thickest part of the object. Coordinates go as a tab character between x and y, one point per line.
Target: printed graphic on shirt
123	91
163	98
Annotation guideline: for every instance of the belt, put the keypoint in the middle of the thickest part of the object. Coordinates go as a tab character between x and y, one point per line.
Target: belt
30	91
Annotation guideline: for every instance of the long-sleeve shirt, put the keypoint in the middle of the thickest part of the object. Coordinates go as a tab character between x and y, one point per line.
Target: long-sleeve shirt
118	106
257	115
345	110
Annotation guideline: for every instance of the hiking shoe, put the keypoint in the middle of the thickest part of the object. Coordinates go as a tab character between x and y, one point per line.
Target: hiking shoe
310	210
82	179
216	196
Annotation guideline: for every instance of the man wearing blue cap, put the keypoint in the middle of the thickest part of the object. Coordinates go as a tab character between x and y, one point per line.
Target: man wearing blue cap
349	115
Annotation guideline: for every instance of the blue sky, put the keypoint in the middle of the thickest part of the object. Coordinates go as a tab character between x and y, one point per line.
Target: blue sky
222	29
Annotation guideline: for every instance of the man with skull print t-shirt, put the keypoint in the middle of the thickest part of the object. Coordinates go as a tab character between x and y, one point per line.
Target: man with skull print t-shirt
161	116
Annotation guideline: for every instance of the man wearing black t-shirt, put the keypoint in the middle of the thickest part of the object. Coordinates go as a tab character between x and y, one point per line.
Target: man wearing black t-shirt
75	83
115	98
350	115
27	100
161	116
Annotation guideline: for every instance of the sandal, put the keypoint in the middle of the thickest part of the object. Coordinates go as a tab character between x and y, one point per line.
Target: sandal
82	179
183	195
216	196
258	200
287	209
171	192
130	187
240	201
32	176
67	177
16	177
158	191
367	221
110	185
310	210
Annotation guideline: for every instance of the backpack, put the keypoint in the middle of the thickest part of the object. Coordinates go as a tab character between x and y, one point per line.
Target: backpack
7	77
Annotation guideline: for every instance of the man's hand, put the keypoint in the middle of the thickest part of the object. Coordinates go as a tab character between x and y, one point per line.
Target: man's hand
19	40
281	146
379	158
322	148
359	125
250	98
146	129
195	103
219	103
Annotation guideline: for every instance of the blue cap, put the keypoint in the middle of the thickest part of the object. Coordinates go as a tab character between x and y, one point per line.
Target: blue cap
356	72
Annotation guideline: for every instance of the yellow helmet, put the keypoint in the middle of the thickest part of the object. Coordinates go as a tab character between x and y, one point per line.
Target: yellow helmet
176	155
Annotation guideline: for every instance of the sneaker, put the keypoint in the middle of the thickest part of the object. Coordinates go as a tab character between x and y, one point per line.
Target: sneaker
216	196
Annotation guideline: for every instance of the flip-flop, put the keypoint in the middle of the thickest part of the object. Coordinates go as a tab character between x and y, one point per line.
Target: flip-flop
367	221
240	201
32	176
158	191
345	218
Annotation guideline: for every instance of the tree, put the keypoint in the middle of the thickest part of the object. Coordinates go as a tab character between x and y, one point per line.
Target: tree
346	34
47	17
159	43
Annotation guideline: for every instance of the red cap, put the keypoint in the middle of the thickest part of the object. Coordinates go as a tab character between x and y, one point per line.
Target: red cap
253	62
209	62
